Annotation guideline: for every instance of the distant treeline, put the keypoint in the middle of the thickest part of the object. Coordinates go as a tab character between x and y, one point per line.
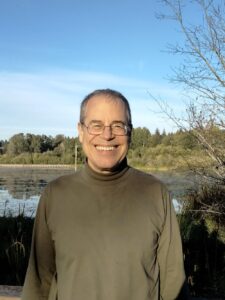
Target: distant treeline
150	150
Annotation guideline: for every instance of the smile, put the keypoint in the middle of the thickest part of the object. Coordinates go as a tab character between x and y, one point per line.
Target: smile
105	148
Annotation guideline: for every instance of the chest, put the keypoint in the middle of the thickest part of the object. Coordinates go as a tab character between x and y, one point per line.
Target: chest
115	223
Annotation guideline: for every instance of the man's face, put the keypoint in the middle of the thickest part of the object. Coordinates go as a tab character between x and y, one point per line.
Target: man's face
104	151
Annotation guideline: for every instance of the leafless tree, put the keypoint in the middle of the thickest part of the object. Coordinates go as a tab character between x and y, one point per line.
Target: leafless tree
202	77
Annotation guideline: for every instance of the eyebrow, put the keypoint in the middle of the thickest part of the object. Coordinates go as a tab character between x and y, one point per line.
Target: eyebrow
114	121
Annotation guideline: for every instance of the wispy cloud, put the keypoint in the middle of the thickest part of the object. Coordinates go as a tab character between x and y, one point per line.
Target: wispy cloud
48	102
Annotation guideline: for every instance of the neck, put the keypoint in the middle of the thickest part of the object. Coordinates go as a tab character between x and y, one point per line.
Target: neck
108	172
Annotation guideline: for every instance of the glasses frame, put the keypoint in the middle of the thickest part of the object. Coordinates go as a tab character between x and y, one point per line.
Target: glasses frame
126	127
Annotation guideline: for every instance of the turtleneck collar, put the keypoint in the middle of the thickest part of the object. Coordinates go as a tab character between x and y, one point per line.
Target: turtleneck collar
88	173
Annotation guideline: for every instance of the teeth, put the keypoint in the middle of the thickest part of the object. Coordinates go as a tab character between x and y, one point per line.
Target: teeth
102	148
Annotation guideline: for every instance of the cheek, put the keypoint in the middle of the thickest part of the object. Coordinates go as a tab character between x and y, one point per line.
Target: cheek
90	139
126	143
87	141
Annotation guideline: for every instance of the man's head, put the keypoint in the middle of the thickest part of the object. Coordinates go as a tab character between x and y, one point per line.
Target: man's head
105	129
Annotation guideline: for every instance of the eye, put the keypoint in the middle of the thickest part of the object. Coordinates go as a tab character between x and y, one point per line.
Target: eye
96	126
119	128
118	125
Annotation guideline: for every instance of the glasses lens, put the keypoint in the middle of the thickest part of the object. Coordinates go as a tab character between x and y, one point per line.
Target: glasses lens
95	128
119	129
98	128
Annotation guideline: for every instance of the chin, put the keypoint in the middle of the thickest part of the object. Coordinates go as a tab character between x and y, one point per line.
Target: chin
105	168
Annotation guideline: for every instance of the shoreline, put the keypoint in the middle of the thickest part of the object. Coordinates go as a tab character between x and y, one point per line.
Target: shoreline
8	292
63	166
37	166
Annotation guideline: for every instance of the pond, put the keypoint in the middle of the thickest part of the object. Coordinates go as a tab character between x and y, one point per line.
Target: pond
20	188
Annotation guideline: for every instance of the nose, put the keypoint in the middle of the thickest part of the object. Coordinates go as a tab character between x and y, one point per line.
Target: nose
107	133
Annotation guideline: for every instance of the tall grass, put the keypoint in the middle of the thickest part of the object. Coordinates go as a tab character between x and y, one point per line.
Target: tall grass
15	234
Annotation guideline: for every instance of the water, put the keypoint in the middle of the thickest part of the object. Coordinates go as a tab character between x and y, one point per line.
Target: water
20	188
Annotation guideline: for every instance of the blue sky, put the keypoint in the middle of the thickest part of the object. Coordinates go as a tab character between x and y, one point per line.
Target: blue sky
54	52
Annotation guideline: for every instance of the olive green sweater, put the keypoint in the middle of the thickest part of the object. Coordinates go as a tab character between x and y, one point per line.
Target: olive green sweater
105	237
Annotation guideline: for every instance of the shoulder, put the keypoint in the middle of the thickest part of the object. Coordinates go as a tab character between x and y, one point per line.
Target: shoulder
144	178
65	180
152	193
61	185
149	186
60	190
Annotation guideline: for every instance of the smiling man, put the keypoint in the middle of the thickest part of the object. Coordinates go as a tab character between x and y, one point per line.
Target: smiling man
107	232
104	131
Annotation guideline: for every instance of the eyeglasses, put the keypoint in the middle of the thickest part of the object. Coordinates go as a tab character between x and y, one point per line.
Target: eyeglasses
117	128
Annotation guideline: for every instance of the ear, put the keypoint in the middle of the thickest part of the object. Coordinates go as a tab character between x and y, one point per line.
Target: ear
80	132
130	135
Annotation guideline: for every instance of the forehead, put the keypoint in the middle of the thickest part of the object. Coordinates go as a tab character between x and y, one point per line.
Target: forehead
103	107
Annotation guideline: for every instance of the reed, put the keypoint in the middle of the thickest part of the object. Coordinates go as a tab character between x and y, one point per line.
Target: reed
16	234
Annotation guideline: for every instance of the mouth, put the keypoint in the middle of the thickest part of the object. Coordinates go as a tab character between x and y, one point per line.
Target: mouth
105	148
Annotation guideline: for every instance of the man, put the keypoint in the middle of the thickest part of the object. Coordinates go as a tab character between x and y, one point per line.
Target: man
107	232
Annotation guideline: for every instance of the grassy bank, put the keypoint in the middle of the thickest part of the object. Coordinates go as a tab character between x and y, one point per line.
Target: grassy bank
161	158
37	166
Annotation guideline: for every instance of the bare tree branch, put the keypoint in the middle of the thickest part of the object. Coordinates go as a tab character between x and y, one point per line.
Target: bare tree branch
202	76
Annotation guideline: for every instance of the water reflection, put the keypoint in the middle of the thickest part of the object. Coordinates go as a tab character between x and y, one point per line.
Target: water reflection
13	206
20	188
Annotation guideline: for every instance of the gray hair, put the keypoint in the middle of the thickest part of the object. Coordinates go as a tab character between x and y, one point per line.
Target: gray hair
111	94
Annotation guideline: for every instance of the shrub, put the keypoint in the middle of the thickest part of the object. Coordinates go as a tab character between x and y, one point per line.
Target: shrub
202	225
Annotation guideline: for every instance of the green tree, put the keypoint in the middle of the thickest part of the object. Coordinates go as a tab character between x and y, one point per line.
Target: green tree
17	144
167	140
46	143
36	144
140	137
57	140
156	138
184	139
3	146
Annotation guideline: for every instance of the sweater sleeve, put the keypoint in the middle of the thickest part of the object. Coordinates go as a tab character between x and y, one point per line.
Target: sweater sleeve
170	255
41	270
